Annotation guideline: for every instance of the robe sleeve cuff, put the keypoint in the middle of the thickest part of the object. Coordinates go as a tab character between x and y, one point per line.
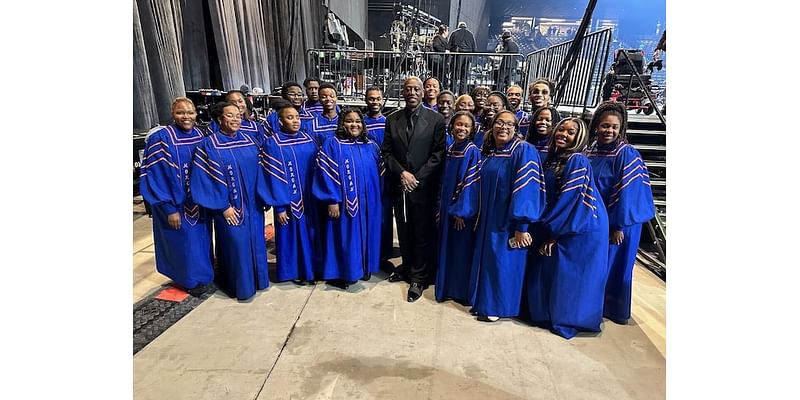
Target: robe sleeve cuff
522	227
168	208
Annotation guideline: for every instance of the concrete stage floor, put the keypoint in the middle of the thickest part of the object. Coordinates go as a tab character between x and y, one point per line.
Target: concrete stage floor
319	342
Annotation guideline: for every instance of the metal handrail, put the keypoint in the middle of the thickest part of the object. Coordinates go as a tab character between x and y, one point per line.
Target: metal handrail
355	70
585	81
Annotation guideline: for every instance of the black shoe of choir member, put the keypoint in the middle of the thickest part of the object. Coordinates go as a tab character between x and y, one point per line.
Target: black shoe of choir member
338	283
618	321
301	282
198	290
396	276
415	292
366	276
488	318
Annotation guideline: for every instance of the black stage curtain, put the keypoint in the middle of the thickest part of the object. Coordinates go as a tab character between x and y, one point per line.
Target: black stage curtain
182	45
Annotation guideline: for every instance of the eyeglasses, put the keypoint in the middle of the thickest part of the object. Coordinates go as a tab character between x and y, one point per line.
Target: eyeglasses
500	124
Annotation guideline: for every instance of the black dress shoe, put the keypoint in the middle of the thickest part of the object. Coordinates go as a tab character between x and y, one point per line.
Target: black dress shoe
396	277
339	283
366	276
198	290
414	292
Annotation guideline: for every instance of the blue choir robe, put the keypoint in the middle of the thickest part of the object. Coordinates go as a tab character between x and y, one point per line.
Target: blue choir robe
310	107
480	119
323	128
289	161
479	138
306	114
541	144
272	123
376	126
524	123
254	129
314	108
537	230
448	138
511	197
184	254
211	128
348	174
432	107
624	184
565	290
250	128
458	198
226	173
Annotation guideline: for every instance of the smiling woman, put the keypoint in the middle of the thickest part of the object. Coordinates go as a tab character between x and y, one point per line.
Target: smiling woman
457	200
226	181
287	160
348	182
511	198
181	229
568	275
624	184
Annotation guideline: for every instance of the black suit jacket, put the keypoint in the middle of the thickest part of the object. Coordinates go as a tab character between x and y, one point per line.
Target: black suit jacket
422	154
462	41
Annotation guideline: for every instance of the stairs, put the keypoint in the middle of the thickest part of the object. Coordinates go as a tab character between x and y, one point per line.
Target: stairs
649	136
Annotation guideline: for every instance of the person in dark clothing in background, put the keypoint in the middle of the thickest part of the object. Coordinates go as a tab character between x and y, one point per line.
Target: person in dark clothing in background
508	64
439	61
461	41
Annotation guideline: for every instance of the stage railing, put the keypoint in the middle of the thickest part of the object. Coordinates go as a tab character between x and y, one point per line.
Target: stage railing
584	82
353	71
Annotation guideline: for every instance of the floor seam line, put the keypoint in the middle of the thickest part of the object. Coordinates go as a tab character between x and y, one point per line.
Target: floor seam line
285	342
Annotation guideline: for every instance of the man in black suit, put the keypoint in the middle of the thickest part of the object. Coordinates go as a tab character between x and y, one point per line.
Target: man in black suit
461	41
413	151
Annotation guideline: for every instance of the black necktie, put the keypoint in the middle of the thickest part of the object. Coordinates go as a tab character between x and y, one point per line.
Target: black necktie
410	127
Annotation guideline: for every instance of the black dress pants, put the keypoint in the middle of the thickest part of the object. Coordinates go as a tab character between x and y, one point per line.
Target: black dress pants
416	231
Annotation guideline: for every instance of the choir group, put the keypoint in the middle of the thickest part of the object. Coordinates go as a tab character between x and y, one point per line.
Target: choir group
537	217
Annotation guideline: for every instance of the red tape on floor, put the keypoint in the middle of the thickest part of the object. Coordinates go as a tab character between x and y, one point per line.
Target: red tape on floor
172	294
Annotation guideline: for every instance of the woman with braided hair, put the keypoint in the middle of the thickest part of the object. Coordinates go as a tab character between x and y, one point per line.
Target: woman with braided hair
565	286
624	184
